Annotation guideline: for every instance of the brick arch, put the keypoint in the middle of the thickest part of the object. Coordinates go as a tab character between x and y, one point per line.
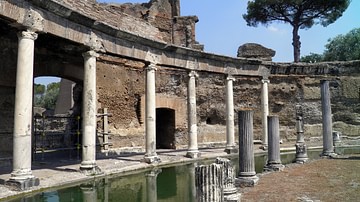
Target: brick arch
172	102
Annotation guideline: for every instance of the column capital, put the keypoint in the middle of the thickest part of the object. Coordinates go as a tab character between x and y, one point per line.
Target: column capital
193	73
89	54
265	81
27	35
151	67
230	78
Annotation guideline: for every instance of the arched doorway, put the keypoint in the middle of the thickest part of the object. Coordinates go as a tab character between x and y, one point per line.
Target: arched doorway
165	128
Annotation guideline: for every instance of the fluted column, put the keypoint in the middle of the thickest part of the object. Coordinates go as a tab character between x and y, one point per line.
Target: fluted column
89	112
151	185
230	132
328	147
209	182
229	189
193	151
21	173
264	111
247	175
274	161
150	115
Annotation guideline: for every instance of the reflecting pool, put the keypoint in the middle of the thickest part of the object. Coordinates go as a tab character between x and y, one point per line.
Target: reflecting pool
171	184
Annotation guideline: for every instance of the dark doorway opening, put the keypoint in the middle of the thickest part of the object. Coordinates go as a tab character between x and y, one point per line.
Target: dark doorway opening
165	128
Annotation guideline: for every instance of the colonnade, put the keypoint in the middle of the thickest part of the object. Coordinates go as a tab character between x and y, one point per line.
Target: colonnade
22	174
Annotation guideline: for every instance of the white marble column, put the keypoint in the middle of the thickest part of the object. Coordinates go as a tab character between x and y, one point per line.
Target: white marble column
89	112
230	131
264	111
150	115
22	173
193	151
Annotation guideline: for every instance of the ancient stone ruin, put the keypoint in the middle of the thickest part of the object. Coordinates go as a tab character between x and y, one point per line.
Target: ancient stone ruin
142	63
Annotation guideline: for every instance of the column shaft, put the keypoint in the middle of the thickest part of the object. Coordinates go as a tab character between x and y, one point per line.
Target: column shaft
23	107
265	111
89	112
274	140
328	147
150	115
246	146
230	131
192	123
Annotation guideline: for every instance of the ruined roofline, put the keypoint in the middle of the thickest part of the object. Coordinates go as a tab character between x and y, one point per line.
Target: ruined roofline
323	69
60	21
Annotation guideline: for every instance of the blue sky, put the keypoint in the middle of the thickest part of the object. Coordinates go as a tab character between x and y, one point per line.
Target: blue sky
222	29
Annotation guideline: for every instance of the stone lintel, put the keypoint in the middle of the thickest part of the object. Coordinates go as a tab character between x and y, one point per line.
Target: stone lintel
246	181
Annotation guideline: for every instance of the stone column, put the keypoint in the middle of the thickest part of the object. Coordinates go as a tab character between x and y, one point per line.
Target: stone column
247	175
274	160
21	174
230	132
301	149
328	147
193	151
150	115
88	164
229	189
264	111
209	183
151	186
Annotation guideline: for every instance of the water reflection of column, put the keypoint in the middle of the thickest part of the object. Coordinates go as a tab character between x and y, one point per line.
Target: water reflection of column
106	189
192	181
247	175
328	147
274	161
151	186
209	183
89	193
229	189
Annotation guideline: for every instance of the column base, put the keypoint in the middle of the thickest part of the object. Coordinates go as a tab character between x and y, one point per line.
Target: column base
193	154
22	184
328	155
90	171
301	160
231	150
264	147
274	167
232	197
246	181
152	159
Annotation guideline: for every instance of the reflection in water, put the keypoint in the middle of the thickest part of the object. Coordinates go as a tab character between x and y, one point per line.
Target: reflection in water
173	184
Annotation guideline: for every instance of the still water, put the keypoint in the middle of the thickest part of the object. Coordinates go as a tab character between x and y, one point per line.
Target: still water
170	184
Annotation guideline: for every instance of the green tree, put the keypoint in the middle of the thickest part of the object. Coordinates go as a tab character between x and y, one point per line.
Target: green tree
300	14
46	98
343	47
312	58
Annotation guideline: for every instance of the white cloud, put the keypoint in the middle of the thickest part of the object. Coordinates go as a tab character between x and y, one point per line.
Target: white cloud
276	30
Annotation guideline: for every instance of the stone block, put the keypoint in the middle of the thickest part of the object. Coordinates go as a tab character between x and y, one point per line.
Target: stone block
23	184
